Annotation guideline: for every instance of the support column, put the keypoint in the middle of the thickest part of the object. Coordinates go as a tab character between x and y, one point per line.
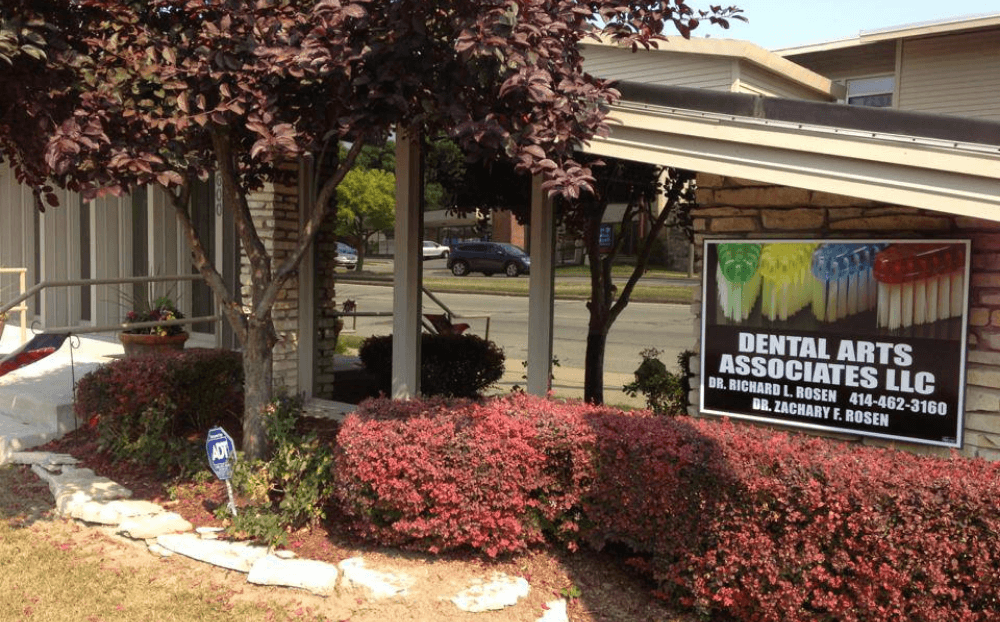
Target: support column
408	271
307	350
541	290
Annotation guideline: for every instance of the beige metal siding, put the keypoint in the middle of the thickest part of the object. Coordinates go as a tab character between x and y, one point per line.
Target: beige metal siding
659	67
111	257
757	81
853	62
60	260
956	74
17	236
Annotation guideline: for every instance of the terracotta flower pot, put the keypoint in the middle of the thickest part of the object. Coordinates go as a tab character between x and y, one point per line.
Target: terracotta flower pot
144	345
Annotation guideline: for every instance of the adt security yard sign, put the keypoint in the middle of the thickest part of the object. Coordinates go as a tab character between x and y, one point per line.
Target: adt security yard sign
221	453
221	456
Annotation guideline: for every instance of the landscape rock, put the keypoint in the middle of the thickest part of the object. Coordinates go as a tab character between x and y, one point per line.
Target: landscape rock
555	612
155	525
378	583
237	556
67	502
72	480
314	576
158	550
47	460
499	592
111	512
209	533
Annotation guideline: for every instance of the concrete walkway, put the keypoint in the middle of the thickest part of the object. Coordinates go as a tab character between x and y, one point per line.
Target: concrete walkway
36	401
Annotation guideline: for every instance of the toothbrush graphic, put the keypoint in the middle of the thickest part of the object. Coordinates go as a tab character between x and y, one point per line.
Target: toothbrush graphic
787	283
737	279
844	284
919	283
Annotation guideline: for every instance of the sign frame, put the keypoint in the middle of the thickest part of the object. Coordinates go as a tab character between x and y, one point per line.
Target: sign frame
897	375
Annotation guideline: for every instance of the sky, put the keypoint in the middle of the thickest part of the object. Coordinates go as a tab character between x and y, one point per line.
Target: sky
785	23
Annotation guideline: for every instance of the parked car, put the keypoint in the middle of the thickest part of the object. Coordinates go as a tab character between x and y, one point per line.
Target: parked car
346	257
488	258
433	250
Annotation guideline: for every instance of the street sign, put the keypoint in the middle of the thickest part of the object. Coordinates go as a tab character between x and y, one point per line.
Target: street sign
606	238
221	453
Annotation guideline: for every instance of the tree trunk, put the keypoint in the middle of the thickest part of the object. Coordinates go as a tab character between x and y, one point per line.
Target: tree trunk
593	387
258	372
361	253
601	299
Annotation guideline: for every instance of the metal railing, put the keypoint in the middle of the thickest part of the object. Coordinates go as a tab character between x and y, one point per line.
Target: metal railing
22	308
451	315
109	328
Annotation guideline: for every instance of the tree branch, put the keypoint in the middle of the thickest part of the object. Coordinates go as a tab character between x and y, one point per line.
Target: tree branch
231	309
677	185
235	201
318	212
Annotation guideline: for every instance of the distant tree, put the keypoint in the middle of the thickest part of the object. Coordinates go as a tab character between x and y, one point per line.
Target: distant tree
444	173
444	168
136	92
380	157
366	205
640	187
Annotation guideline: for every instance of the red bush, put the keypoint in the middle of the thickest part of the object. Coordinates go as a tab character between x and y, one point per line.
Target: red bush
734	521
437	475
199	387
766	526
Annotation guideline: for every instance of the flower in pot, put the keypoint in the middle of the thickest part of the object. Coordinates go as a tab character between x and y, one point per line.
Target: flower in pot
152	339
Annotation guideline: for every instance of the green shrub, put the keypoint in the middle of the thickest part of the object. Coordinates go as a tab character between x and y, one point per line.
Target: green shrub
156	410
289	490
666	392
451	365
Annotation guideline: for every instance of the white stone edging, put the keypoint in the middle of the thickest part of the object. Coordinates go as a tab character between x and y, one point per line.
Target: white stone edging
82	495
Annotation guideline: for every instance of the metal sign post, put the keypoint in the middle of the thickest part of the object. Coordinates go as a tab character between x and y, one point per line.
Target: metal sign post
221	457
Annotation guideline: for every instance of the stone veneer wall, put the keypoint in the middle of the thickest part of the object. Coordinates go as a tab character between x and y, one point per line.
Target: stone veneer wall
738	208
274	210
326	306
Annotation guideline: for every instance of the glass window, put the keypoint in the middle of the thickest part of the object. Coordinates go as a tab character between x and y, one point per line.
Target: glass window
874	92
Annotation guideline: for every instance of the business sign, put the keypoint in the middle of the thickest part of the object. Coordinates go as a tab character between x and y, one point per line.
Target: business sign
856	336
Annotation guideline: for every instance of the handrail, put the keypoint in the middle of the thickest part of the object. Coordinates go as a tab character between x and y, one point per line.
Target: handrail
126	326
78	282
451	315
25	295
22	308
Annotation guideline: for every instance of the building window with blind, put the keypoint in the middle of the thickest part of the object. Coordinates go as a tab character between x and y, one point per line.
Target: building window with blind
873	92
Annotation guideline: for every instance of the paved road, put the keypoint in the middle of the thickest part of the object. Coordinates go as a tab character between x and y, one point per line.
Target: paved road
642	325
435	268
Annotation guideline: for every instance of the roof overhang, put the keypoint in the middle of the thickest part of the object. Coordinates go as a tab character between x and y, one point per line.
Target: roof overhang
933	162
744	51
908	31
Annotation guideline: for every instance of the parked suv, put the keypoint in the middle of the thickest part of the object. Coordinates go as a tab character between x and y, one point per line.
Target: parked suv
488	258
